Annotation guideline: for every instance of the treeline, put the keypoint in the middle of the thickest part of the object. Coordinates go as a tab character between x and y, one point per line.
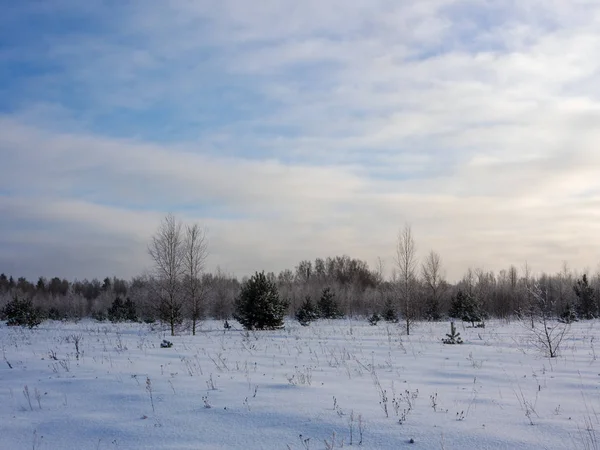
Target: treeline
358	290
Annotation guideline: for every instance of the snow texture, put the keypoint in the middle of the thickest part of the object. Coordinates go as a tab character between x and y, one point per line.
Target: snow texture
330	384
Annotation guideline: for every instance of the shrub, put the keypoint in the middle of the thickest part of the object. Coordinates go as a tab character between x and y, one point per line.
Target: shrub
22	313
374	319
258	305
547	335
307	312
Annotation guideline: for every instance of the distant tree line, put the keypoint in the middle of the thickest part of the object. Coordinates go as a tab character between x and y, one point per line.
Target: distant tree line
179	291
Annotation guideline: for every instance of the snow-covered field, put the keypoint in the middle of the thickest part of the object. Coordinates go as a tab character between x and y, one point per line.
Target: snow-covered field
329	385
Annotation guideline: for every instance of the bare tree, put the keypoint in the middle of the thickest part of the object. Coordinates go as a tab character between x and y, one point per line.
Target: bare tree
529	298
167	250
513	281
484	288
547	334
224	289
596	285
468	282
435	282
379	271
566	295
406	261
195	254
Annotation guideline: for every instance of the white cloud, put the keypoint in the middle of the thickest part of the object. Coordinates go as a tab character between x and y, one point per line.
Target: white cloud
476	122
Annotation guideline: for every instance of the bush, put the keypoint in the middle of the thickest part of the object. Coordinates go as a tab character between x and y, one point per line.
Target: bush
258	305
374	319
327	306
22	313
307	312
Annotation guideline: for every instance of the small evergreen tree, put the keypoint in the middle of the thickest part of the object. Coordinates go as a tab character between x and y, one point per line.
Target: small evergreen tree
466	308
327	306
432	310
475	313
122	311
453	337
115	312
21	312
458	305
585	294
258	305
130	310
307	312
389	312
3	283
568	314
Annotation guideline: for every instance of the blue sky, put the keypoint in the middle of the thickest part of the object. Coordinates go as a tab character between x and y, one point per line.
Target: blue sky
294	130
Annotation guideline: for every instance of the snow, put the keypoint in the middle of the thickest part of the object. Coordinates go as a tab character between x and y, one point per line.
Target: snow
296	388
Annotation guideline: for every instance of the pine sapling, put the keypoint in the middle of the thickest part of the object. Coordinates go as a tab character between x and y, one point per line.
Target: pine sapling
453	337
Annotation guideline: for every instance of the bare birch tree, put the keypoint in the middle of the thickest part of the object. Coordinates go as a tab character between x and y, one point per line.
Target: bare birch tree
406	261
513	280
195	254
167	250
435	282
528	297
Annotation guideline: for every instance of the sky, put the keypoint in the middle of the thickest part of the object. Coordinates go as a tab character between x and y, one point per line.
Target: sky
294	130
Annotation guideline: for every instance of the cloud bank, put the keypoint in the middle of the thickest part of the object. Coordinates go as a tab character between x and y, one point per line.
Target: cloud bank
299	130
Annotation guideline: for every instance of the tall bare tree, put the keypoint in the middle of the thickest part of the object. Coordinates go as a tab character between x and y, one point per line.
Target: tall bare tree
434	278
484	290
566	296
167	250
406	261
528	297
195	253
513	281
